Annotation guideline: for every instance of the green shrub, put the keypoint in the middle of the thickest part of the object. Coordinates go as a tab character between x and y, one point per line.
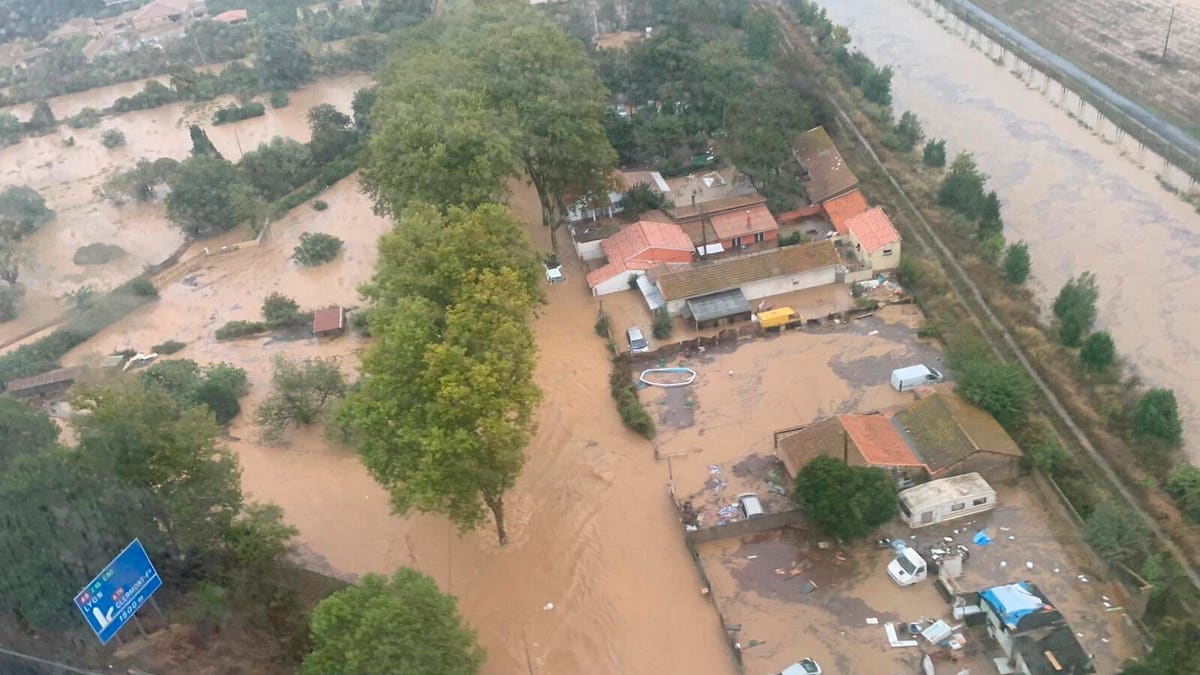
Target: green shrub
112	138
279	99
934	154
235	329
1184	488
791	240
1098	351
1016	264
316	248
601	326
84	119
663	325
280	311
1157	416
320	205
169	347
141	287
1075	308
1117	534
1002	389
846	501
629	406
233	113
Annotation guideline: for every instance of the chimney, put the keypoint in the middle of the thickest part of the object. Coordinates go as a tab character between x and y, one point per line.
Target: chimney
748	225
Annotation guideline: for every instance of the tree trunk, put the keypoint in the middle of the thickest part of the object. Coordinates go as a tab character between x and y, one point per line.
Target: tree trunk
496	504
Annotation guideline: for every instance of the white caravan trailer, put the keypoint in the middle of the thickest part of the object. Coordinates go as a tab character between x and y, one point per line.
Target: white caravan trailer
945	499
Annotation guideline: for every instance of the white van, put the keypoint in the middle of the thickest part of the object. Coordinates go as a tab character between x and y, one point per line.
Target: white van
911	377
946	499
908	568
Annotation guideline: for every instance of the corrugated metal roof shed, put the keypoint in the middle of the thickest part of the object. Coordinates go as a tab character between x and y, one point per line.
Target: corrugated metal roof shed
718	305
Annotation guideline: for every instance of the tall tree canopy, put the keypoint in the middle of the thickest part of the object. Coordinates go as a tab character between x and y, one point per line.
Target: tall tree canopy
446	404
391	626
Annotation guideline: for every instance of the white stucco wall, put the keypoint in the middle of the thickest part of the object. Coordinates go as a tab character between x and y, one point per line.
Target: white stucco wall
616	284
786	284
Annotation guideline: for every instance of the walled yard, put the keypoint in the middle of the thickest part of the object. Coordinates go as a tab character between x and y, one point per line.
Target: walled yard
790	593
1121	44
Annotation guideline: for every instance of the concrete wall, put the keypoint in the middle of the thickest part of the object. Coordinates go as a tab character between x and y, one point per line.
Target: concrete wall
589	250
789	283
771	521
616	284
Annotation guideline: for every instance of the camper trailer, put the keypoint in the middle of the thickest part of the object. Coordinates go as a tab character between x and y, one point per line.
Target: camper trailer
945	499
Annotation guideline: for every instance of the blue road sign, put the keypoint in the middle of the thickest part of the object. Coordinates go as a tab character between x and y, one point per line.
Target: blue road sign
116	594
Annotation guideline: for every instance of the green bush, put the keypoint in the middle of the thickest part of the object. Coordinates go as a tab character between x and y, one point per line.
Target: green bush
1016	264
1156	416
629	406
1075	308
1184	488
279	99
235	329
1098	351
934	154
1117	534
663	325
320	205
169	347
234	113
316	248
112	138
84	119
280	311
601	326
1002	389
846	501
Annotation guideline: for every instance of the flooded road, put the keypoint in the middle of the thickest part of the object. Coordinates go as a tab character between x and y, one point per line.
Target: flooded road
1069	194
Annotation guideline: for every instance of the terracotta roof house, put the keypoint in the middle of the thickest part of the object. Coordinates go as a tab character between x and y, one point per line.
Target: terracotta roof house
843	208
828	174
875	240
329	322
952	436
860	440
758	275
233	16
941	435
728	223
635	249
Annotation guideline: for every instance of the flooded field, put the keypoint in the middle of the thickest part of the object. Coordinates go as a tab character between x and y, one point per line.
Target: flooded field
67	176
1074	198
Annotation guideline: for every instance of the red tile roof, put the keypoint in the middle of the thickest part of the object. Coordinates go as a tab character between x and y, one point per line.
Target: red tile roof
873	229
744	222
841	209
232	16
329	319
878	440
641	246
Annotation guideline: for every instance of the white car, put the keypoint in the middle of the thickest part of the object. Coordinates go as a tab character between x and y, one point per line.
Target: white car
750	505
637	341
803	667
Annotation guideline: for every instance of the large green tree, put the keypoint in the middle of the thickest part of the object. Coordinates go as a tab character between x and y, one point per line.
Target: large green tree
22	211
533	71
1174	651
846	501
282	61
441	146
208	196
401	625
278	167
24	431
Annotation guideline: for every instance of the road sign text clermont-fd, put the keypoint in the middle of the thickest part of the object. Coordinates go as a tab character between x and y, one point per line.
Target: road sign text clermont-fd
116	594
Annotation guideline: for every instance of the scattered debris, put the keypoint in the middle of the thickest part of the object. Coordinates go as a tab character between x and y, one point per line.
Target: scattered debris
890	631
871	620
981	538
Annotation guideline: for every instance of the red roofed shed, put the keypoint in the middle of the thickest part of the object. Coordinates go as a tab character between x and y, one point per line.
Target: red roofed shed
329	322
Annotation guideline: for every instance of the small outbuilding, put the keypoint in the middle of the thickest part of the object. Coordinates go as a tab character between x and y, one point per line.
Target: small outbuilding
44	384
329	322
717	309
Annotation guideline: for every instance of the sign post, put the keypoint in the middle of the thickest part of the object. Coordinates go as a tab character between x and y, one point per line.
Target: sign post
116	594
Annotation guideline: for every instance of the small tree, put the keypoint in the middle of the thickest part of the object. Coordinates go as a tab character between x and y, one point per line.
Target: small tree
303	390
280	311
907	133
662	324
208	197
1098	351
1184	488
399	625
846	501
1075	308
112	138
1117	534
1016	264
1157	416
42	119
316	248
962	188
934	154
990	222
22	211
1002	389
640	198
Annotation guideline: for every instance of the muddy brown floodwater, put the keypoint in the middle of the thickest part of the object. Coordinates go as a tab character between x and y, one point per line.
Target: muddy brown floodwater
1073	197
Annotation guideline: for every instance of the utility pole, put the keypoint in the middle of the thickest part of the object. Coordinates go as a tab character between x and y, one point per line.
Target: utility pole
1170	23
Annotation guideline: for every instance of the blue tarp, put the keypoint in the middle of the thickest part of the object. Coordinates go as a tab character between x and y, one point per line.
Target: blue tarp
1012	602
981	538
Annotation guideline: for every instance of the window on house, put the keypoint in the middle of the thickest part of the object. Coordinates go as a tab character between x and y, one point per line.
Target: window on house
759	237
887	251
979	502
737	242
959	506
